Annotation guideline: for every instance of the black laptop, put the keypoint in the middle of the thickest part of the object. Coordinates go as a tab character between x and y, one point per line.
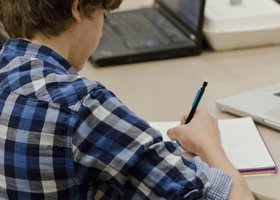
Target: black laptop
171	28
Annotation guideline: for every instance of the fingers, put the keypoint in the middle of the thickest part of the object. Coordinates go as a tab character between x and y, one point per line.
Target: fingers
183	119
200	134
173	133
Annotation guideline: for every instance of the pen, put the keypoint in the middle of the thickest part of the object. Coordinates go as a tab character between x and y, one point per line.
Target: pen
196	101
195	104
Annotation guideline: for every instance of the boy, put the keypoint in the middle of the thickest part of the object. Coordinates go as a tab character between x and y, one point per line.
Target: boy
65	137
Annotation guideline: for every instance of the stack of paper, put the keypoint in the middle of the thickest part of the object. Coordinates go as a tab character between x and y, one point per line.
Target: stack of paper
242	142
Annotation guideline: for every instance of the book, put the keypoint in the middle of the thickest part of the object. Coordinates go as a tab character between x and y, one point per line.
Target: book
242	142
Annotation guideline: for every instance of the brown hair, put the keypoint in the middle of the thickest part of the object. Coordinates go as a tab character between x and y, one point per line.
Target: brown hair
22	18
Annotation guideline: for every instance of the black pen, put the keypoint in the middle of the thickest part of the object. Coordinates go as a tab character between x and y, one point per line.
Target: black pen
195	104
196	101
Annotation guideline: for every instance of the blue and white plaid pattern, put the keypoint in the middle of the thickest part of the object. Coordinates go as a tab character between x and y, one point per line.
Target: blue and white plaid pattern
65	137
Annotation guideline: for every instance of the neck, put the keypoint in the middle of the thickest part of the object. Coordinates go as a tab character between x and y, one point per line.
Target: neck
56	43
64	44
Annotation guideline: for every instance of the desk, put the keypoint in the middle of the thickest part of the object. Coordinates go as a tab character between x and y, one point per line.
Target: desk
164	90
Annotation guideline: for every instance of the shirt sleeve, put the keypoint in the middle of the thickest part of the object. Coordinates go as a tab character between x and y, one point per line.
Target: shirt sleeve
122	156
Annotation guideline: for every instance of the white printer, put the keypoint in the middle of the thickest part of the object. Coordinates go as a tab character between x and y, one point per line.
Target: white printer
234	24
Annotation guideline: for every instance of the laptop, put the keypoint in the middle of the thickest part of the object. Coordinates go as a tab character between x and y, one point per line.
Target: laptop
262	104
171	28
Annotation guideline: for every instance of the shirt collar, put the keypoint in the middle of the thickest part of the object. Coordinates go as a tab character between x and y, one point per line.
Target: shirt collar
22	47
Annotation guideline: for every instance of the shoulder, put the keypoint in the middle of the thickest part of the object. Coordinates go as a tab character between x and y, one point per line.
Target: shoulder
47	81
68	90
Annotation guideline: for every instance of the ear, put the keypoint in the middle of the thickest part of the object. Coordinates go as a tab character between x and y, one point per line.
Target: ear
76	12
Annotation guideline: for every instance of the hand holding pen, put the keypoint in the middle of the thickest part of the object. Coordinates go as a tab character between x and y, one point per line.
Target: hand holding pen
195	104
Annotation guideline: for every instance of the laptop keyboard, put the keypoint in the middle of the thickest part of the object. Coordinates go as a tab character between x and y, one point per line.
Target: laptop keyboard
145	29
166	27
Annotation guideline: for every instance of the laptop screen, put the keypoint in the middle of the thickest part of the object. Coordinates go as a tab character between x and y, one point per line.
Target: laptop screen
189	12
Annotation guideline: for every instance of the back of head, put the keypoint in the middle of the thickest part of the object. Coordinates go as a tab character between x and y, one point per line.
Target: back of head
22	19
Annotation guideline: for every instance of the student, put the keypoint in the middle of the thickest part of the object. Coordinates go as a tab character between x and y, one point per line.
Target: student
65	137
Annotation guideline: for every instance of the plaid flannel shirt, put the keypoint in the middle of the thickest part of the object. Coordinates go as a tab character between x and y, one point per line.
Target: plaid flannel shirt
65	137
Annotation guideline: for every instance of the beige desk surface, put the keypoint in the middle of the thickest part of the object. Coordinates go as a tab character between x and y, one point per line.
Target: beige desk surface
164	90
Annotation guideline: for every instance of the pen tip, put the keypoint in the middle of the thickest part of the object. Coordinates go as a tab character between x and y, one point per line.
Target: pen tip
205	84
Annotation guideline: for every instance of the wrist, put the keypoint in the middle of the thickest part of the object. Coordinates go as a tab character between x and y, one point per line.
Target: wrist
213	155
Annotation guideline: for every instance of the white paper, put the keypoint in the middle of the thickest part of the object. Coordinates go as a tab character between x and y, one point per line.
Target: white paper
241	140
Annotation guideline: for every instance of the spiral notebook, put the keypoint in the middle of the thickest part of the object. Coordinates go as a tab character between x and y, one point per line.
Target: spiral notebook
242	142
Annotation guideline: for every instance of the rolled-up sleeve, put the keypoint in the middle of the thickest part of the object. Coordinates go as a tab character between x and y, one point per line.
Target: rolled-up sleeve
220	182
123	157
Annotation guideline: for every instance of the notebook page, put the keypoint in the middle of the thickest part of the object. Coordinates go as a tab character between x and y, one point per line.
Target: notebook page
244	145
241	140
